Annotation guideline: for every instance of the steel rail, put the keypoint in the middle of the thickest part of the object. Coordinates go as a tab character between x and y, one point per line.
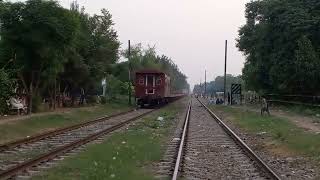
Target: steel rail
183	136
41	136
243	145
56	152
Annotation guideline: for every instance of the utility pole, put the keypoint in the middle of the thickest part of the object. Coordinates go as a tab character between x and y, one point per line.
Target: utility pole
225	71
205	83
200	87
129	70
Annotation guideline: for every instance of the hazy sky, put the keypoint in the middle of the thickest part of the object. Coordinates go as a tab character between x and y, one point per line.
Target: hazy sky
191	32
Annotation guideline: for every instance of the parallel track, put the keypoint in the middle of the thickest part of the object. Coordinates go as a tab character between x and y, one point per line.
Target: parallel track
62	141
13	144
180	162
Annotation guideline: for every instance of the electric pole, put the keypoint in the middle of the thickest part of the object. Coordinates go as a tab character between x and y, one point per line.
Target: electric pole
205	83
201	87
225	71
129	70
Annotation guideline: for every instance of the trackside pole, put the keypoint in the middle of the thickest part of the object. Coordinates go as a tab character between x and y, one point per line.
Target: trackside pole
129	71
225	72
205	83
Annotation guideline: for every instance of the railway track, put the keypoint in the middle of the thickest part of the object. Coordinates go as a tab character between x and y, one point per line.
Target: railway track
209	149
13	144
23	158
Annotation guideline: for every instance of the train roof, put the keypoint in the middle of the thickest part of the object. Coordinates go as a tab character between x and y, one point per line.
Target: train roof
150	71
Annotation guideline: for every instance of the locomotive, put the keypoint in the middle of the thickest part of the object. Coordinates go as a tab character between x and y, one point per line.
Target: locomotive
153	87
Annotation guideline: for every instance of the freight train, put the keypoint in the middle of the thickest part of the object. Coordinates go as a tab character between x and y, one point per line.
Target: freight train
153	87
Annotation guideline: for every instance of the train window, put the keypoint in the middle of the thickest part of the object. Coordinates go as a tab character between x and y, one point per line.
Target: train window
159	81
141	81
150	80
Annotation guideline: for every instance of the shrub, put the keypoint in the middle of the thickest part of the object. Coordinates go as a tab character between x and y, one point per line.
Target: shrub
103	100
36	104
113	87
6	85
92	99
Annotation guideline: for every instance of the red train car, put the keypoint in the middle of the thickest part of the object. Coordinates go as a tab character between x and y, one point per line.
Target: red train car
152	87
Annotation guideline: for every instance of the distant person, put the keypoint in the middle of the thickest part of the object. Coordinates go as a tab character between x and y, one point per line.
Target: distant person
211	101
16	104
229	99
82	96
217	101
265	107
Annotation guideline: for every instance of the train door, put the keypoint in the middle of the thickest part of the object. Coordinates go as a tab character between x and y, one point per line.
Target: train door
150	84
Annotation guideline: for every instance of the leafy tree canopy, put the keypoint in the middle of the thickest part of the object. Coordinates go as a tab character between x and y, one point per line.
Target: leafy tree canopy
35	36
49	45
281	41
217	85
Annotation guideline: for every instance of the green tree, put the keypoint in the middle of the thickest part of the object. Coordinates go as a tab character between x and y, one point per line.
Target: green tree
218	84
6	89
36	35
94	51
278	37
307	66
114	86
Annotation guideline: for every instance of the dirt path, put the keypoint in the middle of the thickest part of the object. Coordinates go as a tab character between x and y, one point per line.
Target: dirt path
308	123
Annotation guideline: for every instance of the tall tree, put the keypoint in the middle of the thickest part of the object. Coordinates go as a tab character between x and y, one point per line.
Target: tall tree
36	34
96	47
278	37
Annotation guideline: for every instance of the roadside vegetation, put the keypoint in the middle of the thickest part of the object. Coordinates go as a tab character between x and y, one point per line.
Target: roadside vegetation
217	85
128	154
54	55
281	45
300	110
280	41
38	124
282	135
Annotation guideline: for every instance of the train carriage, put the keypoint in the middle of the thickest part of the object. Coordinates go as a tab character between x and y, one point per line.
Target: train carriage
152	87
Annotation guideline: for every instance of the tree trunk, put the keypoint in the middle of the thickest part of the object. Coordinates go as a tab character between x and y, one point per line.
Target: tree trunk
55	94
30	88
30	99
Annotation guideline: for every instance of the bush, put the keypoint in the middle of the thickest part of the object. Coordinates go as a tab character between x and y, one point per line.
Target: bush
92	99
5	90
36	104
103	100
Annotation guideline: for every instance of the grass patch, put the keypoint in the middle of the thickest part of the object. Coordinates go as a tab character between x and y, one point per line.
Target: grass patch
281	131
300	110
304	110
124	155
34	125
